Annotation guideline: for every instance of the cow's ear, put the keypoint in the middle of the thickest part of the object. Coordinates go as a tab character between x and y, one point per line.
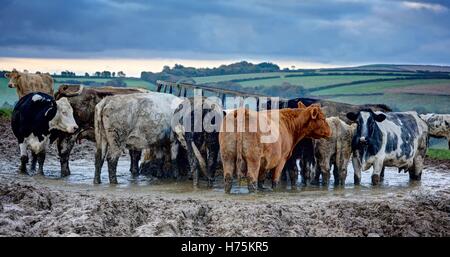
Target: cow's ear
380	117
352	116
314	112
301	105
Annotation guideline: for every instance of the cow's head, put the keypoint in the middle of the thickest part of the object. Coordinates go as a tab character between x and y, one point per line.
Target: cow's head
317	123
13	77
366	121
63	119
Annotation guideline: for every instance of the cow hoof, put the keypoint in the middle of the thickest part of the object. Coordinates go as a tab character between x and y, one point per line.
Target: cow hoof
65	174
375	179
252	187
413	176
97	181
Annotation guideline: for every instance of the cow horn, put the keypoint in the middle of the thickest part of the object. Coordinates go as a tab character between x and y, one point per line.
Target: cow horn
78	92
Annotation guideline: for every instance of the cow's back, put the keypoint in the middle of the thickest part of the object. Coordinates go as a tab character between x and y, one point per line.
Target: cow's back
29	83
139	120
404	134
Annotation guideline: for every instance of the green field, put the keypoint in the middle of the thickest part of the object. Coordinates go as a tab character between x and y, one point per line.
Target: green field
313	81
220	78
440	154
402	102
379	87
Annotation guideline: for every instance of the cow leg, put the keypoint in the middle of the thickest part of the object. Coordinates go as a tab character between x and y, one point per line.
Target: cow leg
213	152
357	170
336	174
23	158
449	144
41	159
113	158
65	146
135	156
325	167
377	167
228	168
99	160
174	149
277	174
415	173
252	175
34	158
291	166
382	174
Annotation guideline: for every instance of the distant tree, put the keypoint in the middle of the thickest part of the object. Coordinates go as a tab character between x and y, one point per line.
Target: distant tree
97	74
114	74
121	74
86	75
106	74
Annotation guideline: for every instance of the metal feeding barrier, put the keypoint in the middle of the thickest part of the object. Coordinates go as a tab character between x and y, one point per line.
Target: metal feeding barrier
183	87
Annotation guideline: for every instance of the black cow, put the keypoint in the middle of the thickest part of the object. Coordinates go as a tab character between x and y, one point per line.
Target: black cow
32	119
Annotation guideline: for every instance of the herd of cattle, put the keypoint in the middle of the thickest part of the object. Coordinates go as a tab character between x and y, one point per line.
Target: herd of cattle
312	135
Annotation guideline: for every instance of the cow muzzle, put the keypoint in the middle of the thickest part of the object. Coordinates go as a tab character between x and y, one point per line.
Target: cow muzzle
73	129
363	141
11	86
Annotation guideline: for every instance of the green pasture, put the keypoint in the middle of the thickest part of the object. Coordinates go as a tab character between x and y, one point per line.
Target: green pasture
379	87
220	78
313	81
402	102
440	154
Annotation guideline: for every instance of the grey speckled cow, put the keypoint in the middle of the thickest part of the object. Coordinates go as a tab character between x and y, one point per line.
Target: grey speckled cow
438	125
134	121
335	151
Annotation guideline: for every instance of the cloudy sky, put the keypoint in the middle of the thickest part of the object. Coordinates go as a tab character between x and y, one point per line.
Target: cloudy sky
129	34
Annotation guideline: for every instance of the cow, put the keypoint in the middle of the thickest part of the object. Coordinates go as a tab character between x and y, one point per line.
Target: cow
134	121
251	152
33	117
83	100
304	151
335	150
438	125
396	139
198	121
26	83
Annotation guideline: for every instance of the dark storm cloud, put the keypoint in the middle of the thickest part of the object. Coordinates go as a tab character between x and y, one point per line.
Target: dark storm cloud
321	31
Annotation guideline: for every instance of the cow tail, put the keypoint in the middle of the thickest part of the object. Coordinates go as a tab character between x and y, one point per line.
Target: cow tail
200	159
240	163
99	128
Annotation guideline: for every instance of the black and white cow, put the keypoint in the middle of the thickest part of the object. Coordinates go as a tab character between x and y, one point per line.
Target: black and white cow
32	119
396	139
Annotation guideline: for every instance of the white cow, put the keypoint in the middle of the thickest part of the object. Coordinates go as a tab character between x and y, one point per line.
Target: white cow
135	121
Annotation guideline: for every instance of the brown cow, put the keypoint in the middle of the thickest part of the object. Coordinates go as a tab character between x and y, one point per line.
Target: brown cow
26	83
248	148
83	100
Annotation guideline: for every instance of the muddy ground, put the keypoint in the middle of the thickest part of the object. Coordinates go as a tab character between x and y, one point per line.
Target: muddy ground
50	206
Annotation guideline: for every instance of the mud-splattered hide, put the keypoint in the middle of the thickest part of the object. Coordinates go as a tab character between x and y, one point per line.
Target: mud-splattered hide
134	121
438	125
26	83
198	121
334	151
397	139
34	116
83	100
